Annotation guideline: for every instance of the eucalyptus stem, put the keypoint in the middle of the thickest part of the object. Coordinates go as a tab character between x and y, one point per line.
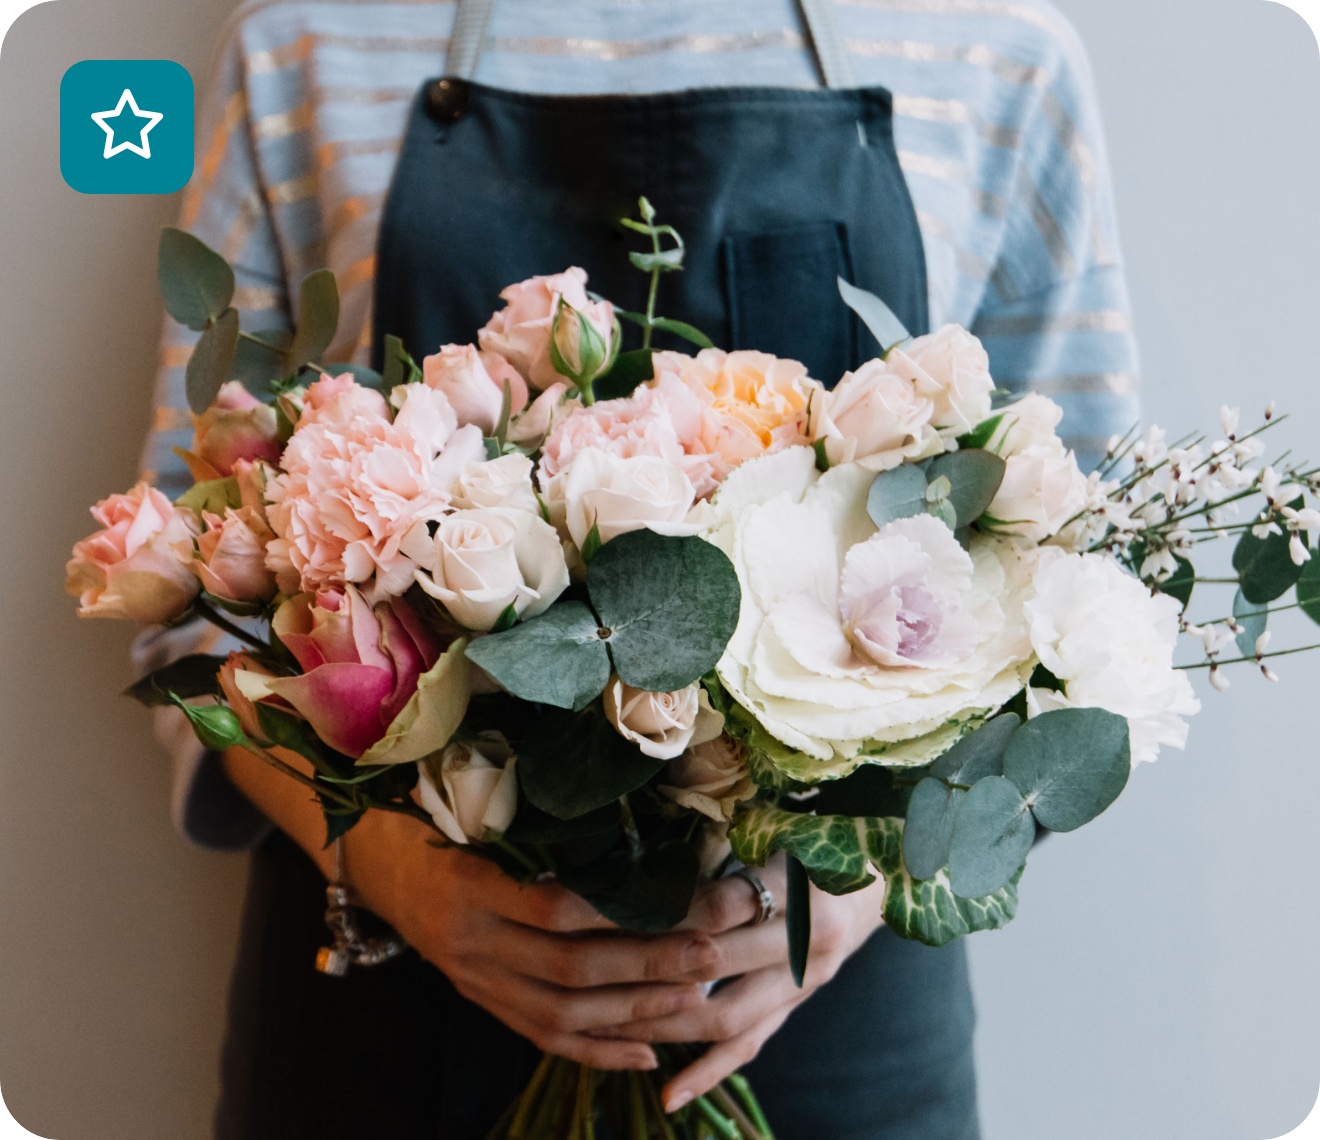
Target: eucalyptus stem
205	610
651	296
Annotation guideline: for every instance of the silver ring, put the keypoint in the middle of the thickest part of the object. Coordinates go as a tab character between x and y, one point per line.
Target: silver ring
764	898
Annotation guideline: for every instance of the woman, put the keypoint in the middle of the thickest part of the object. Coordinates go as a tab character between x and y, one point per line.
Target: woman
977	193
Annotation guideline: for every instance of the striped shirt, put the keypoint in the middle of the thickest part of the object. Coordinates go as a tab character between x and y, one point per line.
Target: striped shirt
996	127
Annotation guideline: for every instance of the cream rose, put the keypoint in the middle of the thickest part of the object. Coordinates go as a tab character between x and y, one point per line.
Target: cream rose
711	778
473	382
1111	642
483	561
662	725
1043	488
618	495
850	645
502	482
950	367
470	790
878	418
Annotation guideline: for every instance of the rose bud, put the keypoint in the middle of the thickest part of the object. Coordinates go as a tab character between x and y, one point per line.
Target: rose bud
237	426
129	569
233	676
471	791
474	384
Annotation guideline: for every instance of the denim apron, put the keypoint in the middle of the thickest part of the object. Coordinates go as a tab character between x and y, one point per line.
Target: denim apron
777	192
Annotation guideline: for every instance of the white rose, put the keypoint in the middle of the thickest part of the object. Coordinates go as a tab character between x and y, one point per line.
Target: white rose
711	778
876	417
841	675
662	725
950	367
473	382
502	482
1111	642
1043	489
470	791
483	561
618	495
1031	422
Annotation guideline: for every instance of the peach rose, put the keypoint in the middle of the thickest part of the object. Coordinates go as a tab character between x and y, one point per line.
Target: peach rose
951	367
236	427
878	418
710	777
129	568
230	556
520	332
474	384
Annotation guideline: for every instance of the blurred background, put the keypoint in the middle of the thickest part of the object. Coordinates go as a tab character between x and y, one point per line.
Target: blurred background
1160	982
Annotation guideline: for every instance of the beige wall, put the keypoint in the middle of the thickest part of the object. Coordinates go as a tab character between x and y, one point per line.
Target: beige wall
115	938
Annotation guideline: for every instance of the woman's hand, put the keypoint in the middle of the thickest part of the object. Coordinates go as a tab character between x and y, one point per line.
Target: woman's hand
537	957
739	1016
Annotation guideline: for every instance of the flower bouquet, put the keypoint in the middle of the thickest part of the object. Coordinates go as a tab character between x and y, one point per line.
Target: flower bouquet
621	617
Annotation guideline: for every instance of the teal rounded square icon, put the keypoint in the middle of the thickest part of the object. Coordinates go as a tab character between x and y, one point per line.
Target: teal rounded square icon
126	126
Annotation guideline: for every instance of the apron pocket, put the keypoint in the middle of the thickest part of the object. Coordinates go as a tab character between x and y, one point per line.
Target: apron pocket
784	298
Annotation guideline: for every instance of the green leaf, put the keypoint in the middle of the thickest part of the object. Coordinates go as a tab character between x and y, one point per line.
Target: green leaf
670	605
887	329
1069	764
682	329
929	827
829	846
507	620
339	821
897	494
211	495
982	434
571	763
1252	618
974	477
822	457
557	658
1308	588
259	359
929	911
980	754
1264	565
870	790
211	360
991	837
1180	583
630	369
196	282
592	544
650	894
535	827
284	730
797	918
666	261
367	377
216	726
318	319
193	676
399	366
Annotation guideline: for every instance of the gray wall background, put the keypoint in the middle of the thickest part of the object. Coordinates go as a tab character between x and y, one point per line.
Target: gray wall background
1159	984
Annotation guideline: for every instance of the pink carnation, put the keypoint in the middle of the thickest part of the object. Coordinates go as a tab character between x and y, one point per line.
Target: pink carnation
357	491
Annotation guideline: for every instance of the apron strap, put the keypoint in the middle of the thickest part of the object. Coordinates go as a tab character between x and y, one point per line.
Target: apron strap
468	38
827	43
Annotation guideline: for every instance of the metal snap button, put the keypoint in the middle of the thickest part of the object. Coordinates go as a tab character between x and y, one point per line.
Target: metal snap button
447	99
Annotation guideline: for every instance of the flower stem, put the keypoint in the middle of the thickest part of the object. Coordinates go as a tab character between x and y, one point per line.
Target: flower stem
1252	658
216	618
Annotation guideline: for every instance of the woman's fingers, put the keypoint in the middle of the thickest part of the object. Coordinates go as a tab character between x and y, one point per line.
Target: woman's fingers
732	901
605	959
718	1062
545	906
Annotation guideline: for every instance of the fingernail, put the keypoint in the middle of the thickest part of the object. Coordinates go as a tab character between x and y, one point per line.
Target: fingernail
649	1061
677	1100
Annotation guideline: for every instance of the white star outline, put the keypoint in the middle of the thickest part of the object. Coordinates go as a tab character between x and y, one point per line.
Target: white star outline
143	145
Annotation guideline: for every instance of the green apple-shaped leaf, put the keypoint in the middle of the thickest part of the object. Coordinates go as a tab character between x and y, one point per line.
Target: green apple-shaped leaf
897	494
318	319
195	281
1265	565
885	326
1069	764
212	358
991	838
979	755
670	605
557	658
1252	617
928	830
571	763
259	359
974	476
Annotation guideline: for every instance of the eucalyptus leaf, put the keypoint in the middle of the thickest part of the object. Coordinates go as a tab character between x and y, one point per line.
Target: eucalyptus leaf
979	755
629	370
899	493
1308	588
196	675
991	837
666	260
798	920
318	319
928	829
557	658
1252	618
259	359
211	361
399	367
367	377
1069	764
887	329
572	763
670	605
682	329
195	281
1265	566
974	476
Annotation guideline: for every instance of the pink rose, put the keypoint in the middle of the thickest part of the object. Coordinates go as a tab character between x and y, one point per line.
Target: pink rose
230	559
473	382
951	367
878	418
360	665
129	569
520	332
358	491
236	427
540	417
